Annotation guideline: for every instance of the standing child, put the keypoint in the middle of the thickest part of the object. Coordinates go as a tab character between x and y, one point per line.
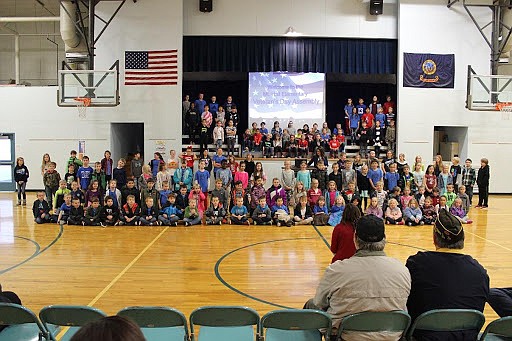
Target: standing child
331	194
218	135
107	165
119	174
336	176
262	214
128	190
257	192
231	137
381	195
84	174
466	203
170	214
136	169
109	212
456	173
192	214
354	119
239	213
76	214
374	208
189	157
70	176
146	174
412	213
99	175
220	193
430	180
225	175
149	215
183	176
197	194
304	175
77	193
51	180
130	212
364	134
375	174
320	174
242	176
406	198
314	193
469	179
391	135
164	193
41	209
407	180
59	194
202	177
155	163
45	164
444	179
74	160
162	176
21	177
215	213
92	193
92	215
391	178
393	213
429	212
482	181
458	211
299	191
303	215
113	193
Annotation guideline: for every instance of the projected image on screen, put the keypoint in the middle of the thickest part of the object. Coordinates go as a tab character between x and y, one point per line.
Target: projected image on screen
286	96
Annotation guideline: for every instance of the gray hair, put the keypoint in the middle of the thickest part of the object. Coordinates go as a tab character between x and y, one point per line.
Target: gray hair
443	244
377	246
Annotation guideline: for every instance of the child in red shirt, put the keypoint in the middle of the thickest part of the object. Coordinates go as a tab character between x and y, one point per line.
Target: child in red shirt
257	137
303	146
314	193
368	118
335	146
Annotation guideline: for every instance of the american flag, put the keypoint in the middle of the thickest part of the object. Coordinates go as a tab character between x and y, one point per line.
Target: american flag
151	67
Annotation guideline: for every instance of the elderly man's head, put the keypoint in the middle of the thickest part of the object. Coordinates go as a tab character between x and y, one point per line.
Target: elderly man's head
448	231
370	234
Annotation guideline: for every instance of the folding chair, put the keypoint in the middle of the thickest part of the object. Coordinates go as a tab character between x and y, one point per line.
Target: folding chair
497	330
22	323
220	323
68	316
158	323
440	320
295	325
391	321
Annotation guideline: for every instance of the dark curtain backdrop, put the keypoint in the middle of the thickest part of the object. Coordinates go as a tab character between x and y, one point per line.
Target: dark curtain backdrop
252	54
335	96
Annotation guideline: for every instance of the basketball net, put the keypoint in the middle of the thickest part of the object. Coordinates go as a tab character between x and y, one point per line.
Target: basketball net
505	108
81	104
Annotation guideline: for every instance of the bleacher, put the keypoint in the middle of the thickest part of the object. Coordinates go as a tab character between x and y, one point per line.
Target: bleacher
351	150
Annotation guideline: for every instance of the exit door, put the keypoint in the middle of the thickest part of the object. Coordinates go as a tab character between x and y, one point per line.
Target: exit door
7	162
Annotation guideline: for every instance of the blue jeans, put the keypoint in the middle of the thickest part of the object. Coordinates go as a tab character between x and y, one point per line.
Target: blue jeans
21	190
195	221
49	194
168	221
147	222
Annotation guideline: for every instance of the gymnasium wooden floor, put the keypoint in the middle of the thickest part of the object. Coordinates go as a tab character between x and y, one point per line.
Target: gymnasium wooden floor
265	268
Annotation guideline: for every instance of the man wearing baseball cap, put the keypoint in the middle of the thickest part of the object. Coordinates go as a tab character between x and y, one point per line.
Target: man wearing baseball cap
446	278
368	281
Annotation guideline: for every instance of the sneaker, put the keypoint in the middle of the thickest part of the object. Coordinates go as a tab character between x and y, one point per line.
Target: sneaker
83	223
24	203
121	223
484	207
289	223
247	223
255	223
409	224
422	223
278	224
102	224
117	223
478	206
19	203
220	223
469	221
400	223
187	223
174	224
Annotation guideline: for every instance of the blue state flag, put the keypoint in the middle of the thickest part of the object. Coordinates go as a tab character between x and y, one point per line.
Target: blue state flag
426	70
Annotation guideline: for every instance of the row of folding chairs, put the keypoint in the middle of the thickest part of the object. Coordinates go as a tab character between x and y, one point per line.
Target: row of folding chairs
239	323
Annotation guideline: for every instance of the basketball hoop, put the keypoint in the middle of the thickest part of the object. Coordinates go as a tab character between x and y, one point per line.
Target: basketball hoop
505	108
81	104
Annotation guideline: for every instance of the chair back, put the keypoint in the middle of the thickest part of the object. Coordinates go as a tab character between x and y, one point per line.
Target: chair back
224	322
13	314
440	320
69	316
498	328
371	321
295	324
158	323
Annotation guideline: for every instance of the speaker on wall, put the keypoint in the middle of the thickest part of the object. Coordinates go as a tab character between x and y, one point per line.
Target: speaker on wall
206	5
376	7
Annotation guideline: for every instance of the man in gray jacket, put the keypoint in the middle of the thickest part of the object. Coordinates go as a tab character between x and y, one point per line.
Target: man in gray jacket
368	281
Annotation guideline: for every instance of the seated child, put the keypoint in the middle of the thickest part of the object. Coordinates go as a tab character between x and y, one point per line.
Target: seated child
197	193
429	212
442	204
64	210
262	214
77	193
181	199
149	215
420	196
450	195
320	213
239	213
130	212
58	199
41	209
393	214
404	199
170	214
109	212
76	214
303	214
113	193
458	211
466	203
412	213
374	208
92	215
221	193
192	214
281	214
314	193
215	213
337	210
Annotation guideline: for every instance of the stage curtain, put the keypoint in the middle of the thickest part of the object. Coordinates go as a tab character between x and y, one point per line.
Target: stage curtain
264	54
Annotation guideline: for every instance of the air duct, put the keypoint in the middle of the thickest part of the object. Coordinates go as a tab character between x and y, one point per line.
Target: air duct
67	27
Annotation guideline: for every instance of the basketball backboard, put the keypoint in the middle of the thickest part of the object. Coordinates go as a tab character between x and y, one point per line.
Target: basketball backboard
102	87
485	92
